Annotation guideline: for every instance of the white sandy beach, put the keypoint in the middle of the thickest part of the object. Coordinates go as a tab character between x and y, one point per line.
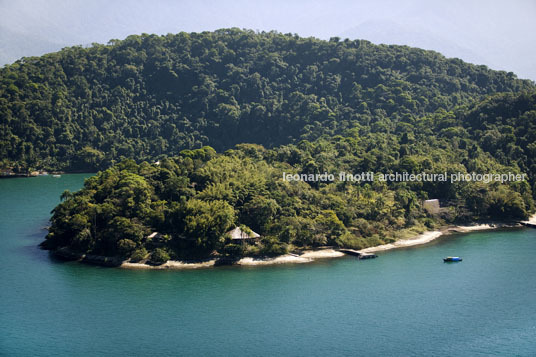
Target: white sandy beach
170	264
283	259
311	255
321	254
480	227
306	257
420	239
427	237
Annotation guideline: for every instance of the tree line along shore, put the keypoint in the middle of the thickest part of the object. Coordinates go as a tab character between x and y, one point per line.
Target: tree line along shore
192	201
191	135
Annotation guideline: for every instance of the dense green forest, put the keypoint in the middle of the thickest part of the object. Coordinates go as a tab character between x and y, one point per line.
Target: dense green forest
83	109
193	199
194	132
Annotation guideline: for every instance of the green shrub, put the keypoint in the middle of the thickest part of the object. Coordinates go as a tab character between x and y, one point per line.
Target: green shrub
125	247
159	256
139	255
272	247
233	250
351	241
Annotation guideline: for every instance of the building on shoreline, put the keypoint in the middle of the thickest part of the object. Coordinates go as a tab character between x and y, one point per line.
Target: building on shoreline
241	236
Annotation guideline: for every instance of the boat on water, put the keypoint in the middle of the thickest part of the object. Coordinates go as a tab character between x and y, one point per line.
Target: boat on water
452	259
56	175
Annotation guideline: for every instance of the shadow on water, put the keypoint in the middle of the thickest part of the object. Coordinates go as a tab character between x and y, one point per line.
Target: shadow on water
31	241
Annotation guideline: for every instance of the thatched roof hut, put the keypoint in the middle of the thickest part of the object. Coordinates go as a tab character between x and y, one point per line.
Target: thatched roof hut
238	234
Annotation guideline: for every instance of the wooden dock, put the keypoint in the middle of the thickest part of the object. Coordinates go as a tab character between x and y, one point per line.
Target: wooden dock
354	252
528	224
358	254
531	222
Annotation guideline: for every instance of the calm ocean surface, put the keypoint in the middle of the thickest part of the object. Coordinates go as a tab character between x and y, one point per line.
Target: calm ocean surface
407	302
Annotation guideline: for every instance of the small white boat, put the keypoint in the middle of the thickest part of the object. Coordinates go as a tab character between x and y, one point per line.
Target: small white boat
56	175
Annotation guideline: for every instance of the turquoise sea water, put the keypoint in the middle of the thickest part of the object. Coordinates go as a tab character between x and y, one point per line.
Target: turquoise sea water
407	302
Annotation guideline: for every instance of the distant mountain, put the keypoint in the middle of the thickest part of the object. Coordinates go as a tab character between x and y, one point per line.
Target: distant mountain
14	45
449	39
392	33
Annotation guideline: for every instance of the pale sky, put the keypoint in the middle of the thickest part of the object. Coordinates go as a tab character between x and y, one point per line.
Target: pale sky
499	34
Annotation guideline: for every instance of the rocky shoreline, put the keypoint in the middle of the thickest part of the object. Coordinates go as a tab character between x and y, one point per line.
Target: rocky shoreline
66	253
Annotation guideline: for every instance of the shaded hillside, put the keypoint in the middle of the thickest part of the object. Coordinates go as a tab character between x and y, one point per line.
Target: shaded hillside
505	126
146	96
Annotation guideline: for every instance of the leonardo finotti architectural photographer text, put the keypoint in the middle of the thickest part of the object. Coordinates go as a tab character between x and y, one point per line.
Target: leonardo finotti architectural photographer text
407	177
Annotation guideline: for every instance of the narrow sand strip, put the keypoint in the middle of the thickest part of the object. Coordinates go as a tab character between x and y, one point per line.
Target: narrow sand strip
480	227
320	254
311	255
283	259
420	239
427	237
170	264
306	257
532	220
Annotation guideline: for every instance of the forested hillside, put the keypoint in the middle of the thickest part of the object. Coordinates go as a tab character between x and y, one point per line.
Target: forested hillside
226	113
505	126
82	109
196	197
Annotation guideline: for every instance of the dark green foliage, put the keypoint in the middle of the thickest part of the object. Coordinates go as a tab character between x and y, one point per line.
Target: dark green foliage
126	247
207	222
159	256
304	106
504	125
82	109
234	251
271	246
139	255
117	209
